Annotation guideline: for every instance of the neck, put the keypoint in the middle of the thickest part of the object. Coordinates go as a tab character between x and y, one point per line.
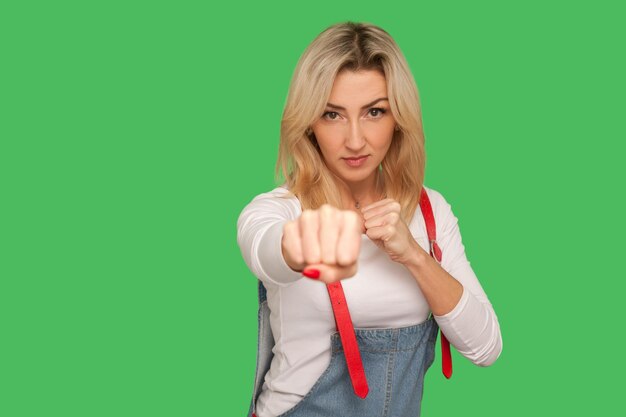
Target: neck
363	193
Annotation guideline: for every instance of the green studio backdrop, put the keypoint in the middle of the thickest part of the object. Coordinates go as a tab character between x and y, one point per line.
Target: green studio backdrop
132	134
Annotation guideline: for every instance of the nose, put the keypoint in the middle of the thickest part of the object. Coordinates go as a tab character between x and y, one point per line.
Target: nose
355	138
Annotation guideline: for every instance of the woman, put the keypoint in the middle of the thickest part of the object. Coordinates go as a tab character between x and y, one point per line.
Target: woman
353	296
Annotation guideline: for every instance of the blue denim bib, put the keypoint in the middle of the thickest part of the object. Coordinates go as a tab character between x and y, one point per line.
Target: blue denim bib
395	362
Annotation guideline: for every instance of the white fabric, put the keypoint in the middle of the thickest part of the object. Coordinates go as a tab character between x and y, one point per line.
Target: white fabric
382	294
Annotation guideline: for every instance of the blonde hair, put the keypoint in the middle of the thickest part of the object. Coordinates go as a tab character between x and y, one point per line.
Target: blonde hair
350	46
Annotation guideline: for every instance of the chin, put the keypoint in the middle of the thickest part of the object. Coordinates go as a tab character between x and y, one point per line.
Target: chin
355	176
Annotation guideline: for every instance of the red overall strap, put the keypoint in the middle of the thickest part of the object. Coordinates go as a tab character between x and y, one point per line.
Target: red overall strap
435	252
348	339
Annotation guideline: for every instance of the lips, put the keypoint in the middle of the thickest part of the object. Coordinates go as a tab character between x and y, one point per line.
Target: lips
356	161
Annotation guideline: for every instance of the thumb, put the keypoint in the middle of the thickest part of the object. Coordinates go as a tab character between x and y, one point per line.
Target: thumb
329	273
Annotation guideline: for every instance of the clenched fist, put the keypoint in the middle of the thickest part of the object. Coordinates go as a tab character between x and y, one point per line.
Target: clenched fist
327	239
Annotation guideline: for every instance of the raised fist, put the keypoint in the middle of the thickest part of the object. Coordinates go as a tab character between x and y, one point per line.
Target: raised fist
327	239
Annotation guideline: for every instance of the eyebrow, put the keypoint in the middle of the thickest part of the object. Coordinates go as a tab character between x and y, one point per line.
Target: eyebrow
334	106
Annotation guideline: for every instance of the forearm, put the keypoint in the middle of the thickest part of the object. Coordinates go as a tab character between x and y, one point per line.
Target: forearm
261	247
469	324
441	290
291	263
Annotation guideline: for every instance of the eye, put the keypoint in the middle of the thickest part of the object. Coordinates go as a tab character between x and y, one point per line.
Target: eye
377	111
334	113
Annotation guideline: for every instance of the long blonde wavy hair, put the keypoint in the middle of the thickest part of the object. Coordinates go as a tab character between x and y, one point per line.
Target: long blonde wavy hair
350	46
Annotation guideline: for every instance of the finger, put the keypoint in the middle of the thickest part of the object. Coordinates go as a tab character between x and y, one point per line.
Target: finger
383	233
309	231
330	227
333	273
349	243
389	218
391	206
376	204
292	242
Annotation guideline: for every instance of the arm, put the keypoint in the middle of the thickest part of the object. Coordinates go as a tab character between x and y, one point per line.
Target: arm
259	235
457	300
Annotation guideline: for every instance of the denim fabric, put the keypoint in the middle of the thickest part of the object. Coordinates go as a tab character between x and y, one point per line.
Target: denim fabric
265	343
395	362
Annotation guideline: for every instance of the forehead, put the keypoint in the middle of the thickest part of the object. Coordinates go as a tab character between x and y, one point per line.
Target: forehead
353	89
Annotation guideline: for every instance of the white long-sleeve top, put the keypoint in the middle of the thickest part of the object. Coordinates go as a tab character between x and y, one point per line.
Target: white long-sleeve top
382	294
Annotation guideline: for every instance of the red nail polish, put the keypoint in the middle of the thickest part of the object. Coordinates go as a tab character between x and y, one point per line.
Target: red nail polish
311	273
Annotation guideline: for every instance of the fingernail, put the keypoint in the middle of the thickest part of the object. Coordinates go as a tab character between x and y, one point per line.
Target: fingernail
311	273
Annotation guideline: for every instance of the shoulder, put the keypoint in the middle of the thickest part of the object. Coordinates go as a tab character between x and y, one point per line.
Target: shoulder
442	209
279	194
438	202
277	201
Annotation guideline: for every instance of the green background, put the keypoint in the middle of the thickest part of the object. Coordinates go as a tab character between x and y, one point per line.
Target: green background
132	134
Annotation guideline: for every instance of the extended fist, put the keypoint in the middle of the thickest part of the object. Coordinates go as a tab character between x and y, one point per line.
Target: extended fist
327	239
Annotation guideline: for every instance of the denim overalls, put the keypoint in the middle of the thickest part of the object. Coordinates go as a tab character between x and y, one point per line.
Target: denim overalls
395	361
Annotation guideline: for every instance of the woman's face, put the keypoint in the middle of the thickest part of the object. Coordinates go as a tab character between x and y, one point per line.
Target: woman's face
357	122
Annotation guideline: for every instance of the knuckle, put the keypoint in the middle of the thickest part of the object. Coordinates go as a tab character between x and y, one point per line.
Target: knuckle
311	258
351	216
328	256
344	259
326	211
308	217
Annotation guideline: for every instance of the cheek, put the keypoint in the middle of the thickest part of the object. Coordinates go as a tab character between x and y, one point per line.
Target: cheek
381	136
388	126
328	139
328	150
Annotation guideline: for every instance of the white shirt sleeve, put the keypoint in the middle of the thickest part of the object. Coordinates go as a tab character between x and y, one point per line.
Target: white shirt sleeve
472	326
259	235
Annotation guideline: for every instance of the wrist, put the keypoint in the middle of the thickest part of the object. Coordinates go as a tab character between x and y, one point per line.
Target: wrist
294	266
416	256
